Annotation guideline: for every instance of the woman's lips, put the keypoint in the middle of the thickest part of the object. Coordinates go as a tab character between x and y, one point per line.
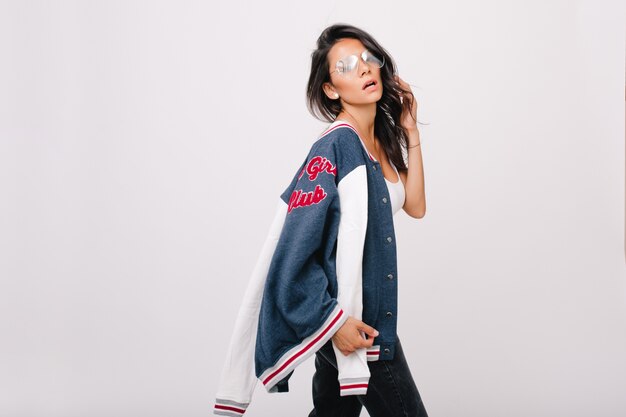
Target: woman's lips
372	87
367	82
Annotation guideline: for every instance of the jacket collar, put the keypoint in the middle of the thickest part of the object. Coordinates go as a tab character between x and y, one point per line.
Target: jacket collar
339	123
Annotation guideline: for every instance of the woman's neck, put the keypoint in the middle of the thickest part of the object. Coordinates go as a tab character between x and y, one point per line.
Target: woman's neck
362	119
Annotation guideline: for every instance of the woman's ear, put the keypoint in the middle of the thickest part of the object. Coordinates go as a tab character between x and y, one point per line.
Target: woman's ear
330	91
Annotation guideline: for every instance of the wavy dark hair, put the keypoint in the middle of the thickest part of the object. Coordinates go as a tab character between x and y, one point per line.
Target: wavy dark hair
387	128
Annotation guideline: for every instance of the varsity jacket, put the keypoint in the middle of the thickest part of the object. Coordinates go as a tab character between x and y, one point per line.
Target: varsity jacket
330	253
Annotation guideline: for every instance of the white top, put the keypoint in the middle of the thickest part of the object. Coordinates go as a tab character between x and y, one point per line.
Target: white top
396	191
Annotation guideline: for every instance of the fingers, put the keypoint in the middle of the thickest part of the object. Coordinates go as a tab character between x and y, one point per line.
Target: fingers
361	343
349	337
364	343
402	83
369	330
368	342
400	80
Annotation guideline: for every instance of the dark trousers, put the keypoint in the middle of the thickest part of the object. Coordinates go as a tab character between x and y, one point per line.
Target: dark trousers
391	391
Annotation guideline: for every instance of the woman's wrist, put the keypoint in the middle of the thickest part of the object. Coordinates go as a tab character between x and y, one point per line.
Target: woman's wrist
413	140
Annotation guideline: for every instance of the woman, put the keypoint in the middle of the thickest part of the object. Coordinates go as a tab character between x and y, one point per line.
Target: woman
326	280
391	391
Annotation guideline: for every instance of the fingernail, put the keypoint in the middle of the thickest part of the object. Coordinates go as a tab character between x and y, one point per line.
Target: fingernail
375	332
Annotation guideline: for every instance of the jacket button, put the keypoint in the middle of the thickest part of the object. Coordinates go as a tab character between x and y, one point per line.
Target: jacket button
389	314
386	351
384	199
388	238
374	166
390	276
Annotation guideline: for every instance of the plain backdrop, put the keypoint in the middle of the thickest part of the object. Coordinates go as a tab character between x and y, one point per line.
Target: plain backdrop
143	145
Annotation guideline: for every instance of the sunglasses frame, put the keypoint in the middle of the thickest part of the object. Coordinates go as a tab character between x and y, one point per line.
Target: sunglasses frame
362	56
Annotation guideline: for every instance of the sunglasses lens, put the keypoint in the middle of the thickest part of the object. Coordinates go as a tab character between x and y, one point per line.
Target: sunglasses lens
349	64
372	59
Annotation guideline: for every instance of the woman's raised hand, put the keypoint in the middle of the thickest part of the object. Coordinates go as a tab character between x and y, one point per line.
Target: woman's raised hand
408	119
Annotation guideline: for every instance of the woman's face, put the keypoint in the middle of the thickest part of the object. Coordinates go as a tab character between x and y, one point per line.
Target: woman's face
349	86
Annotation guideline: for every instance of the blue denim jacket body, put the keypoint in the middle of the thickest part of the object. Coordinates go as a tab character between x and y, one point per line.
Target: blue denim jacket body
297	303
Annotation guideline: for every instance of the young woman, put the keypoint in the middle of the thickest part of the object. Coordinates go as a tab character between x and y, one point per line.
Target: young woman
326	280
385	117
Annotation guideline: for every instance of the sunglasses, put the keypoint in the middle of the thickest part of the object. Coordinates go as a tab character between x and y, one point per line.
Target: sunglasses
349	64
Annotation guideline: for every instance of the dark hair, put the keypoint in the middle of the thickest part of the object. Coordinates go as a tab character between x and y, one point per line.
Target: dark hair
389	108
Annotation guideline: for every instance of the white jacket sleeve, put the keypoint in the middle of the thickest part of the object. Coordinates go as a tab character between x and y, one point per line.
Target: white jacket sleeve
238	380
353	199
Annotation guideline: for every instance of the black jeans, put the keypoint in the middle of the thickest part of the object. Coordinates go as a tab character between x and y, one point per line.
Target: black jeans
391	391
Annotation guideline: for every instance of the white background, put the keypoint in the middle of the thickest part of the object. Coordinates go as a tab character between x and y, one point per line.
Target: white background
143	145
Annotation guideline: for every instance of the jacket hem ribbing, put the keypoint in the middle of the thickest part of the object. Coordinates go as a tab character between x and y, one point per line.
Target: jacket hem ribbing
373	353
224	407
353	386
288	362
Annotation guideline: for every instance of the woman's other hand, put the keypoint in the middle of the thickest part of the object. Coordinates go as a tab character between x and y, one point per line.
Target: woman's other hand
408	119
349	338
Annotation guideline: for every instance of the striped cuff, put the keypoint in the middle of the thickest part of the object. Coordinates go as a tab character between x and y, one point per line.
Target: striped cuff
229	408
373	353
299	353
353	386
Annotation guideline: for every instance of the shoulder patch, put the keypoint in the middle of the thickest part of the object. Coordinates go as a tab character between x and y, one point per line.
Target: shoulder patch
300	198
318	172
318	164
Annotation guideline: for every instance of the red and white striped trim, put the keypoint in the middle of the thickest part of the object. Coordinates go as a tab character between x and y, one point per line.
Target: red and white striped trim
373	353
353	386
340	123
229	408
306	348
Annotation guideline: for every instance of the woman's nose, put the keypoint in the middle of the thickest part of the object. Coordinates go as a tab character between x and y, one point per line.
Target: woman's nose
365	68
